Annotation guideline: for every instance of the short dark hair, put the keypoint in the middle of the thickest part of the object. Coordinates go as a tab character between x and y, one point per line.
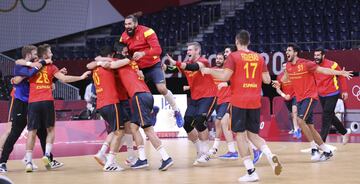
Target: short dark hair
106	50
243	37
119	46
220	53
132	17
294	46
27	50
42	49
229	47
322	50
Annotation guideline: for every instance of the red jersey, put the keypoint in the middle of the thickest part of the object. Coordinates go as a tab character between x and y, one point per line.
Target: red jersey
302	78
224	94
286	87
145	40
201	86
121	91
132	82
104	81
246	80
41	84
327	84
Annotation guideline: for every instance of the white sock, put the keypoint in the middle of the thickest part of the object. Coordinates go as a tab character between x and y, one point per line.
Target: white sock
231	146
110	157
253	146
104	148
163	152
266	150
142	155
204	146
28	155
129	144
170	98
313	145
197	145
216	143
325	148
48	148
248	163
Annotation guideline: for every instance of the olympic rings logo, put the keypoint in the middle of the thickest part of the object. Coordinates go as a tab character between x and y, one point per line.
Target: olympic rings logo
356	91
4	10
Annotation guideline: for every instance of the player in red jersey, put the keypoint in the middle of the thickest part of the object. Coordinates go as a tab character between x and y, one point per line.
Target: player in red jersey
246	71
145	49
41	105
286	90
222	115
108	105
301	74
329	91
142	103
203	98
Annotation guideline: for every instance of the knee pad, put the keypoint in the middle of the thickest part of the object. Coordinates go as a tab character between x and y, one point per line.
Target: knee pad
188	123
200	123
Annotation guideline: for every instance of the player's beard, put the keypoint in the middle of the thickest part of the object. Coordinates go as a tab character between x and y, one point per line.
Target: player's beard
219	64
318	61
130	32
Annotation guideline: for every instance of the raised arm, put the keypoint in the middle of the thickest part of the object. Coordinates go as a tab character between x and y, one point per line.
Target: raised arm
69	78
328	71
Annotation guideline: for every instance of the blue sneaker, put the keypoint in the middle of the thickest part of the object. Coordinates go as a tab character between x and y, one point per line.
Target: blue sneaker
257	155
165	164
179	119
297	134
140	164
230	156
154	114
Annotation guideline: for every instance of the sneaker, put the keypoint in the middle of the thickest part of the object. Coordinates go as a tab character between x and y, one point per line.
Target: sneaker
35	167
277	167
130	161
179	119
113	167
46	160
140	164
326	156
202	159
165	164
315	155
29	167
346	137
257	155
212	152
331	147
291	131
230	156
55	164
249	178
3	168
297	134
100	158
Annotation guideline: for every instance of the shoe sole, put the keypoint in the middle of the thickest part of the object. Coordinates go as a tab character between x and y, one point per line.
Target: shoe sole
231	158
278	167
119	170
140	167
99	161
28	170
167	166
57	167
46	161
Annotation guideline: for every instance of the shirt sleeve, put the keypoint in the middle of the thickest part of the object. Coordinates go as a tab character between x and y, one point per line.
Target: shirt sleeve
153	41
342	79
24	71
311	66
230	63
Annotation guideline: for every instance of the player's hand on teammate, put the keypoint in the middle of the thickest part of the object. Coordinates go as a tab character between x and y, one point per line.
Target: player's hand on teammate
140	74
171	60
344	95
185	88
275	84
63	71
85	75
221	85
138	55
347	74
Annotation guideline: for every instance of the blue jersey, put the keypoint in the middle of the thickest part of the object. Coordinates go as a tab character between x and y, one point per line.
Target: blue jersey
23	88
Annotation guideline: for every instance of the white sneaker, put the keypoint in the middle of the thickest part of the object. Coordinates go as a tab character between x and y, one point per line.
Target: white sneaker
35	167
29	167
112	167
55	164
203	159
307	150
276	165
315	155
130	160
331	147
346	137
212	152
100	158
249	178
